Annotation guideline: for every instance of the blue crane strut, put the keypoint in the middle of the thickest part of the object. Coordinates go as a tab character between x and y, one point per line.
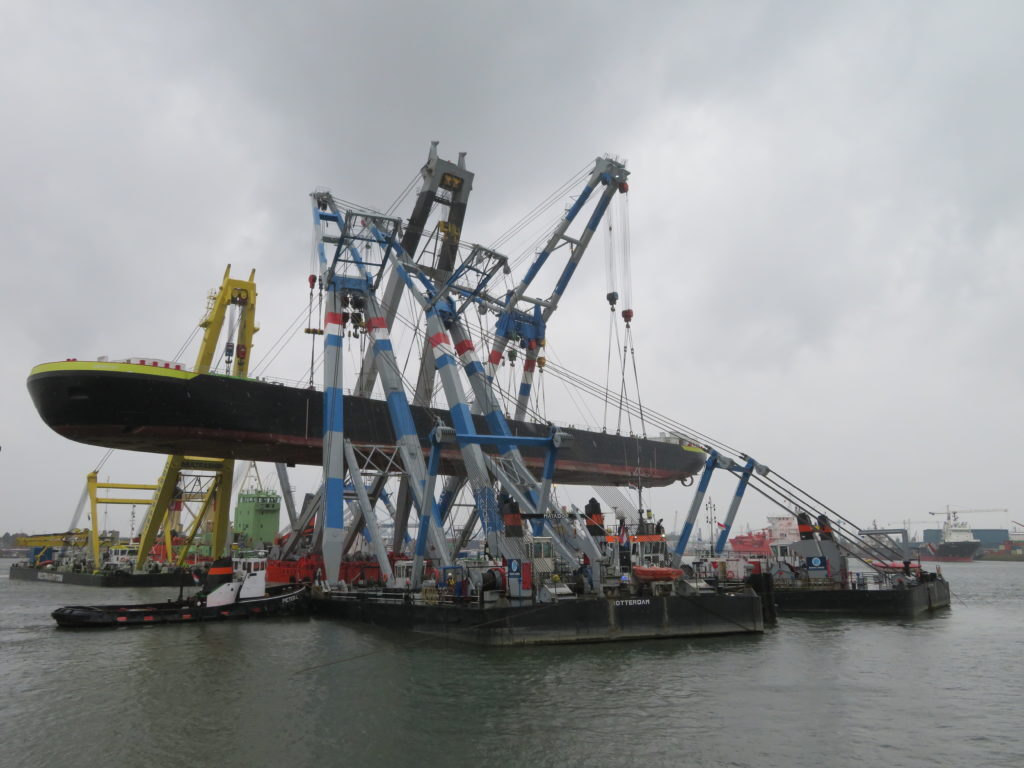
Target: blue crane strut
399	411
447	184
386	499
716	461
608	172
442	435
442	316
530	328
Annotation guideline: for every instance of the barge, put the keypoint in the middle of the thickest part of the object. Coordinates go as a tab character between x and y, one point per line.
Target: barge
632	595
106	578
818	577
904	599
570	619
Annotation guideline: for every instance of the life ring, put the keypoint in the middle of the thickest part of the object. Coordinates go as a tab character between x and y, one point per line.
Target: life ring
731	574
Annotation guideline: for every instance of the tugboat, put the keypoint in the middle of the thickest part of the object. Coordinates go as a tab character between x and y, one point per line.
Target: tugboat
228	593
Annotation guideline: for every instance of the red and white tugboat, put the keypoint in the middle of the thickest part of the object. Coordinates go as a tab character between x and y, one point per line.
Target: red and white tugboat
232	590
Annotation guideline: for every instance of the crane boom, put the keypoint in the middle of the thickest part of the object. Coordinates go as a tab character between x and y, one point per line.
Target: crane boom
951	511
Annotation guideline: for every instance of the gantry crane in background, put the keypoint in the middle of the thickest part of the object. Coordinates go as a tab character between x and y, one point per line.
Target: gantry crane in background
951	513
45	544
90	540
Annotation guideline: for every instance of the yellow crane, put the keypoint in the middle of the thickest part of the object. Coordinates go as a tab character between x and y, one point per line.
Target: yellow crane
240	294
76	538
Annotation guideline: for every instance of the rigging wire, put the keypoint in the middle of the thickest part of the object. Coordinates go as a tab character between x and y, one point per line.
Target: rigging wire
313	344
403	194
608	369
622	388
103	461
538	210
775	487
636	380
579	402
189	340
278	346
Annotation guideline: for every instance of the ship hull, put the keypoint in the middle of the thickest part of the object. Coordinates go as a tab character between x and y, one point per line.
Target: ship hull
20	572
597	620
278	600
950	552
135	407
906	602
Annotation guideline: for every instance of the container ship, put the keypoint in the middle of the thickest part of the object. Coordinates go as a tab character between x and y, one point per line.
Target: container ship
950	552
957	544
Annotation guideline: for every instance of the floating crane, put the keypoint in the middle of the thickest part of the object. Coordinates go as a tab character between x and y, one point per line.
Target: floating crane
367	264
359	250
442	291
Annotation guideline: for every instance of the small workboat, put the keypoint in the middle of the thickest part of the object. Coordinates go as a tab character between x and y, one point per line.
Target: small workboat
229	592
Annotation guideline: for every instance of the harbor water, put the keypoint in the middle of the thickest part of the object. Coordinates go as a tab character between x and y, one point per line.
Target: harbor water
942	690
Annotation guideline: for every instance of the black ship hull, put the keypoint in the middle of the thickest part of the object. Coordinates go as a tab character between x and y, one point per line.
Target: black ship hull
139	408
906	602
597	620
950	552
21	572
278	600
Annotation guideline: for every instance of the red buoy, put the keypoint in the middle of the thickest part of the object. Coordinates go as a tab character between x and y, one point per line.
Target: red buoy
312	282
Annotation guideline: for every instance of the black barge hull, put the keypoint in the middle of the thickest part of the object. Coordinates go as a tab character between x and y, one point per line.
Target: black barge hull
907	602
280	600
597	620
116	579
157	410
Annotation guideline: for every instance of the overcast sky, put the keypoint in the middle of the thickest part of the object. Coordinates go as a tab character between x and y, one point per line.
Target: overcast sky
825	208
